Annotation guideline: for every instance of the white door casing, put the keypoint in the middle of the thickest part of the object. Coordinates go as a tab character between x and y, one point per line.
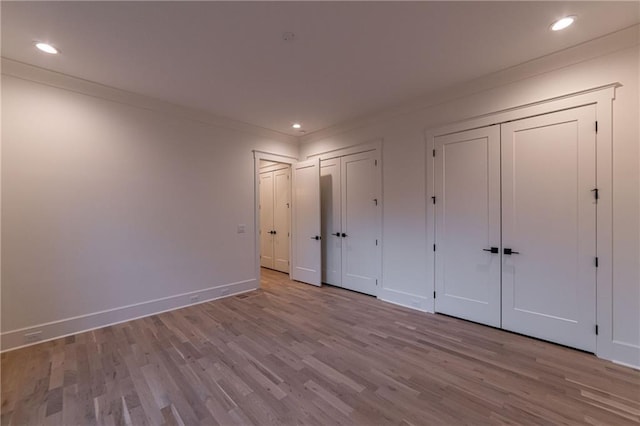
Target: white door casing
305	242
549	218
467	188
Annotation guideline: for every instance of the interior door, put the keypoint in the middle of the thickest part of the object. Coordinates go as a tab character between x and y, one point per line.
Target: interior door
266	220
306	242
360	222
549	223
330	219
467	256
281	209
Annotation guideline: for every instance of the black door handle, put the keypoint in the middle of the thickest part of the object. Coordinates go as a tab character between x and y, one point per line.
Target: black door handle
337	234
509	251
493	250
343	235
274	232
315	238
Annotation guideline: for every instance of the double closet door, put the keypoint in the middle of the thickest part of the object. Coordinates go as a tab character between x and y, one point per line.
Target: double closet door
350	221
516	226
275	189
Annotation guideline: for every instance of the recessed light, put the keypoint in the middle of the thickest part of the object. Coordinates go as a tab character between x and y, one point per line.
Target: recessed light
563	23
47	48
296	125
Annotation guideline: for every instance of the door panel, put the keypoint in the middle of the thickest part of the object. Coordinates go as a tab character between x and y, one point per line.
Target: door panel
266	220
468	223
305	230
330	217
360	210
549	213
281	204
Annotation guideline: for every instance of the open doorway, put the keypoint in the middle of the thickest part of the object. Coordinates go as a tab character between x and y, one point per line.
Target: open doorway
274	187
273	206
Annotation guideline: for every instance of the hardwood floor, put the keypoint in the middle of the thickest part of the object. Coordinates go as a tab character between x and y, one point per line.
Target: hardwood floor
291	353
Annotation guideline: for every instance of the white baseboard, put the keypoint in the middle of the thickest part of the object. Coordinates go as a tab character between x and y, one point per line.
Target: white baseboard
15	339
408	300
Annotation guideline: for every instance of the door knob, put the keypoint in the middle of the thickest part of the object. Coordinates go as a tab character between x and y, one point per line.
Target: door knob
492	250
317	237
343	235
274	232
510	252
337	234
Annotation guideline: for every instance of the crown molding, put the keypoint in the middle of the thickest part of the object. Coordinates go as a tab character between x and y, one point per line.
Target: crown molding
59	80
601	46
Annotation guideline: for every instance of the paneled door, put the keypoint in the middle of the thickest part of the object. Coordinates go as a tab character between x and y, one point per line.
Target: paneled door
467	250
360	216
274	219
548	227
305	227
266	220
331	223
281	209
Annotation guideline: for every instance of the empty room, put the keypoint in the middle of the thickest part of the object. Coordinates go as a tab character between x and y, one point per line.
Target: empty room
320	213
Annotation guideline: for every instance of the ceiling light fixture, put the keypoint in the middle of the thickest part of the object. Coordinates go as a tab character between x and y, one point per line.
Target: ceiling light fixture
563	23
296	125
47	48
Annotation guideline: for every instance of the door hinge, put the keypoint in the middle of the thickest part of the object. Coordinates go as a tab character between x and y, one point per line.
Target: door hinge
376	281
376	242
434	247
596	329
597	262
596	127
434	294
375	163
375	200
433	199
433	153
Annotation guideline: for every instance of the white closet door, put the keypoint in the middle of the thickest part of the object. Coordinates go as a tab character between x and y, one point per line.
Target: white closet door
549	219
281	204
266	220
467	178
360	222
305	230
331	226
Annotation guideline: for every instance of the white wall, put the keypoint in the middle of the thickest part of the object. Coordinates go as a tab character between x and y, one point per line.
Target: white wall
107	205
407	258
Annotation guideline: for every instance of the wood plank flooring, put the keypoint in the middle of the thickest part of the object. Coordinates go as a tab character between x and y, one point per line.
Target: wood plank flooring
291	353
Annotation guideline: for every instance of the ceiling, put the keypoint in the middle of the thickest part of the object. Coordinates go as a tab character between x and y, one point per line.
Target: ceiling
348	59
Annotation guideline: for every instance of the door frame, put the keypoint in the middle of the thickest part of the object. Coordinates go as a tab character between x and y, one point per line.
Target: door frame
602	97
267	156
375	146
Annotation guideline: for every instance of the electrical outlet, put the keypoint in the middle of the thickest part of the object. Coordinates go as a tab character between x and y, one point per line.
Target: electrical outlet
195	298
33	337
224	291
242	228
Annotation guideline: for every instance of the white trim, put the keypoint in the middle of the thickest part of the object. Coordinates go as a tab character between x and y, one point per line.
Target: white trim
267	156
544	106
14	339
74	84
408	300
373	145
602	97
